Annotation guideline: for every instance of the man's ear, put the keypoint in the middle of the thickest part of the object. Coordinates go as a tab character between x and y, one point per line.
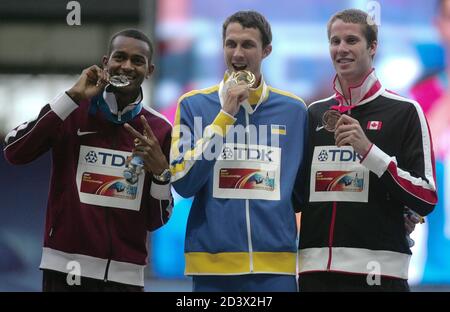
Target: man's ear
373	48
105	59
151	68
267	50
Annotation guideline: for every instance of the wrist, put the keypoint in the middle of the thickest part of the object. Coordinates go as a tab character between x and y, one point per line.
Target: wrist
230	112
163	177
74	95
366	150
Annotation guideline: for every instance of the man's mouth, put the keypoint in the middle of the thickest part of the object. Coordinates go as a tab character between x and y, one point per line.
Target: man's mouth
238	67
129	77
344	60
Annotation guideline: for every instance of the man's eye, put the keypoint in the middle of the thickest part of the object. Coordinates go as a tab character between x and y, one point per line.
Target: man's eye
138	62
335	42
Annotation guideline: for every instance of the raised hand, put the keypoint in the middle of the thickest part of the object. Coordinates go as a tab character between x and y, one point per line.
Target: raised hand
148	148
91	81
234	96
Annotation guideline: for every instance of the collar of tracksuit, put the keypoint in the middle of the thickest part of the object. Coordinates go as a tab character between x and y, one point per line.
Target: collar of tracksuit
359	94
107	104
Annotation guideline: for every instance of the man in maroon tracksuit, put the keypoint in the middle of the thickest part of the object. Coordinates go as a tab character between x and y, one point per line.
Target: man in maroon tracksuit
97	218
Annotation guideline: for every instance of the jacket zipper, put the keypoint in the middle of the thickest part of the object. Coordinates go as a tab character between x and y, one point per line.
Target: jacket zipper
55	222
247	202
331	236
107	217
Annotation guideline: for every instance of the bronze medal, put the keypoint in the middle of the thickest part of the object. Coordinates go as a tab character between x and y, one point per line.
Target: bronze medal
330	119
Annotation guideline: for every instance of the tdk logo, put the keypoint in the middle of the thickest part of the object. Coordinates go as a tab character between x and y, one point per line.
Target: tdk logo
91	157
244	153
107	159
323	155
338	155
227	153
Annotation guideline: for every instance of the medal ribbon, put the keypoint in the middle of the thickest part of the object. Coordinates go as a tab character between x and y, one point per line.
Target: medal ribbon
342	109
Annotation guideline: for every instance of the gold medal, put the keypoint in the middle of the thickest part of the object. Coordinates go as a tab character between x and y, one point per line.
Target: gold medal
245	76
330	119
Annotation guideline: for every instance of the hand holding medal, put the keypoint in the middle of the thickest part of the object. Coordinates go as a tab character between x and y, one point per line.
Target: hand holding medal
237	90
348	131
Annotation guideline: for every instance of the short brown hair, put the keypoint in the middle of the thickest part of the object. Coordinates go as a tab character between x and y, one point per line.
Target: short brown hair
354	16
250	19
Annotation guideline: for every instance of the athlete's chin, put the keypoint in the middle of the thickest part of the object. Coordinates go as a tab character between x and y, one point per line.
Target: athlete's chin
128	89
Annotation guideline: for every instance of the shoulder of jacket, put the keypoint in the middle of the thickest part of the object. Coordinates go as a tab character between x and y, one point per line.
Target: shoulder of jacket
288	94
157	115
192	93
389	95
325	100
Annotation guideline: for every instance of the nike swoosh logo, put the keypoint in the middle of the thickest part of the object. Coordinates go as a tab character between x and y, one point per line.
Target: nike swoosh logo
80	133
318	128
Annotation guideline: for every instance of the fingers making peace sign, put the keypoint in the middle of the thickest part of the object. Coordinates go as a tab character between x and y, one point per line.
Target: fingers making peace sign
148	148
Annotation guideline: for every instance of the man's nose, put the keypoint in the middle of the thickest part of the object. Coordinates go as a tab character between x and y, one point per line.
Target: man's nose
127	64
238	52
342	48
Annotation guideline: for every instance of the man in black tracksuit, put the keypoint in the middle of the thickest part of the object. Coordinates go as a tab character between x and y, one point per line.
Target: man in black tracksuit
370	155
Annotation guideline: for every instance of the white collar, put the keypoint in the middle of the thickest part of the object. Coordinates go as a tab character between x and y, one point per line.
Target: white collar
110	99
361	93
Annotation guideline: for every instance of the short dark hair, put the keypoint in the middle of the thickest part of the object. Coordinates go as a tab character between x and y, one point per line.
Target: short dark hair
250	19
354	16
132	33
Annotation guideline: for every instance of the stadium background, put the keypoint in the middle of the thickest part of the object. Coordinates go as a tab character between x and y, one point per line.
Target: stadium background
41	56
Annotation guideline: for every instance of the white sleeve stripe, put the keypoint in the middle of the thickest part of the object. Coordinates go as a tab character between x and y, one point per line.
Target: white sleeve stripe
169	208
378	161
157	114
320	101
161	213
415	181
423	194
425	139
14	132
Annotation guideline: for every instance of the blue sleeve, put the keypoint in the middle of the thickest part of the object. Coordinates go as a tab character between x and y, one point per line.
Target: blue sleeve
191	156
